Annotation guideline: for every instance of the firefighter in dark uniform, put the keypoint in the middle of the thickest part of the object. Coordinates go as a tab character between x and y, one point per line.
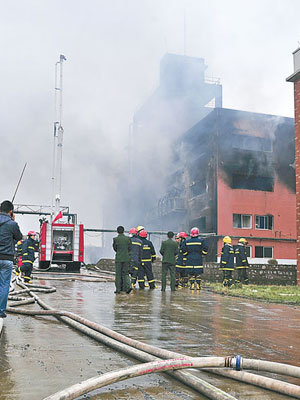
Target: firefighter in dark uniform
122	247
29	247
148	256
242	262
169	250
136	255
195	248
227	262
181	275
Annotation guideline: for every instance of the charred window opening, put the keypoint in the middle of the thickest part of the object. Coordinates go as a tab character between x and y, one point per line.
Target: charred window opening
200	223
198	187
254	143
243	221
252	182
264	222
263	252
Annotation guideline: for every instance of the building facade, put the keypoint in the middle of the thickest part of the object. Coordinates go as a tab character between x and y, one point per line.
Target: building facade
295	78
237	178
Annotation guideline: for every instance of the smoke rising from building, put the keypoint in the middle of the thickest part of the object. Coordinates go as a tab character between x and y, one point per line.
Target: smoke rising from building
113	50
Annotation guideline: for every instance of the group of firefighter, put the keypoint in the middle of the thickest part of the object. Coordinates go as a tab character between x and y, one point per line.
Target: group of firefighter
183	258
25	256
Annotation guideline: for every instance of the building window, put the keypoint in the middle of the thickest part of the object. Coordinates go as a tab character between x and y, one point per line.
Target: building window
263	221
263	252
252	182
248	251
198	187
254	143
243	221
200	223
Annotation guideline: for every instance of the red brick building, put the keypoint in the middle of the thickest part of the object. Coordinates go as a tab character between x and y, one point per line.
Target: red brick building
237	178
295	77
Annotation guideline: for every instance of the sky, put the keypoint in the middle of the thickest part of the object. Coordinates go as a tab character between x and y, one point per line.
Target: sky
113	49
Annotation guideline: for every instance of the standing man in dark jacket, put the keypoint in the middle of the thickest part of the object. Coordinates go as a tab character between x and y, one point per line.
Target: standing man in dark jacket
136	255
169	250
9	234
122	247
242	262
227	262
30	245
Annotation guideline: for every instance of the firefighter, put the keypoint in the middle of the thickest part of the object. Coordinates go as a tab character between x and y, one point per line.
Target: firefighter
242	262
148	256
169	250
122	247
136	255
29	247
181	276
19	253
195	248
139	228
227	262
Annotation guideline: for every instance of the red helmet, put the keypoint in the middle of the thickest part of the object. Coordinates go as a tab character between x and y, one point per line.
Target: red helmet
182	235
31	233
143	233
194	232
133	231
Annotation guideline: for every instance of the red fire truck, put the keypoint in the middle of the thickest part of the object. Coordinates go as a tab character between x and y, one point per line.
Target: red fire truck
62	243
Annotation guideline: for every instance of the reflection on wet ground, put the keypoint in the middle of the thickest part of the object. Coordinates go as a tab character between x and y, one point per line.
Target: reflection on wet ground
39	356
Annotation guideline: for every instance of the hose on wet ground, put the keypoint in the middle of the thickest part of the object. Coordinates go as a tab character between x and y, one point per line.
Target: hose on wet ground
208	389
137	370
94	330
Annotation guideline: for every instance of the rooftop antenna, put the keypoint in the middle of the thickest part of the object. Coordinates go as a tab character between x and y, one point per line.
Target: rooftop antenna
58	136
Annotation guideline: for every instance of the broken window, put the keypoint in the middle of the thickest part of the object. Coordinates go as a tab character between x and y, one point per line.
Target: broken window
243	221
263	252
263	221
198	187
252	182
254	143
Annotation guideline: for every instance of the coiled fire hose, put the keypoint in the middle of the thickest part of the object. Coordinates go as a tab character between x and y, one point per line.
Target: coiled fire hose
95	330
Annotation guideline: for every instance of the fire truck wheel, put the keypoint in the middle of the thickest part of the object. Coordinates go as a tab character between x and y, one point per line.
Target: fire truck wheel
44	264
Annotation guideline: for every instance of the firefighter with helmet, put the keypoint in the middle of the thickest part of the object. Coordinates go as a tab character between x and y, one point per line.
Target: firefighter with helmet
195	248
181	276
29	247
227	262
136	255
242	261
140	228
148	256
19	252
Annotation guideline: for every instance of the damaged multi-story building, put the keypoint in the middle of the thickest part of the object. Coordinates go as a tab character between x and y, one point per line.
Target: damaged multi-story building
228	173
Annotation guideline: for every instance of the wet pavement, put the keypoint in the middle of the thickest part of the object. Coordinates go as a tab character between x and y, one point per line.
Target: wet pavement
40	355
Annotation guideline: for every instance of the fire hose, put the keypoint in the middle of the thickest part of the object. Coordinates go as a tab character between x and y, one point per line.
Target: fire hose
141	351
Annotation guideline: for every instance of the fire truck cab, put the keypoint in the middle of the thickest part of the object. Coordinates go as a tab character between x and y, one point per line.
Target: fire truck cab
62	243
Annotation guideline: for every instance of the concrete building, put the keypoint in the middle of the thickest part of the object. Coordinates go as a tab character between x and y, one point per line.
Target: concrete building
225	171
295	78
237	178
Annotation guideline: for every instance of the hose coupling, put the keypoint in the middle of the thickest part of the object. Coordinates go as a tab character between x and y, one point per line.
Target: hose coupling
228	361
237	362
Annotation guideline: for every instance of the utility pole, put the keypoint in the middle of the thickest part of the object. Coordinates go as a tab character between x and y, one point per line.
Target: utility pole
58	136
